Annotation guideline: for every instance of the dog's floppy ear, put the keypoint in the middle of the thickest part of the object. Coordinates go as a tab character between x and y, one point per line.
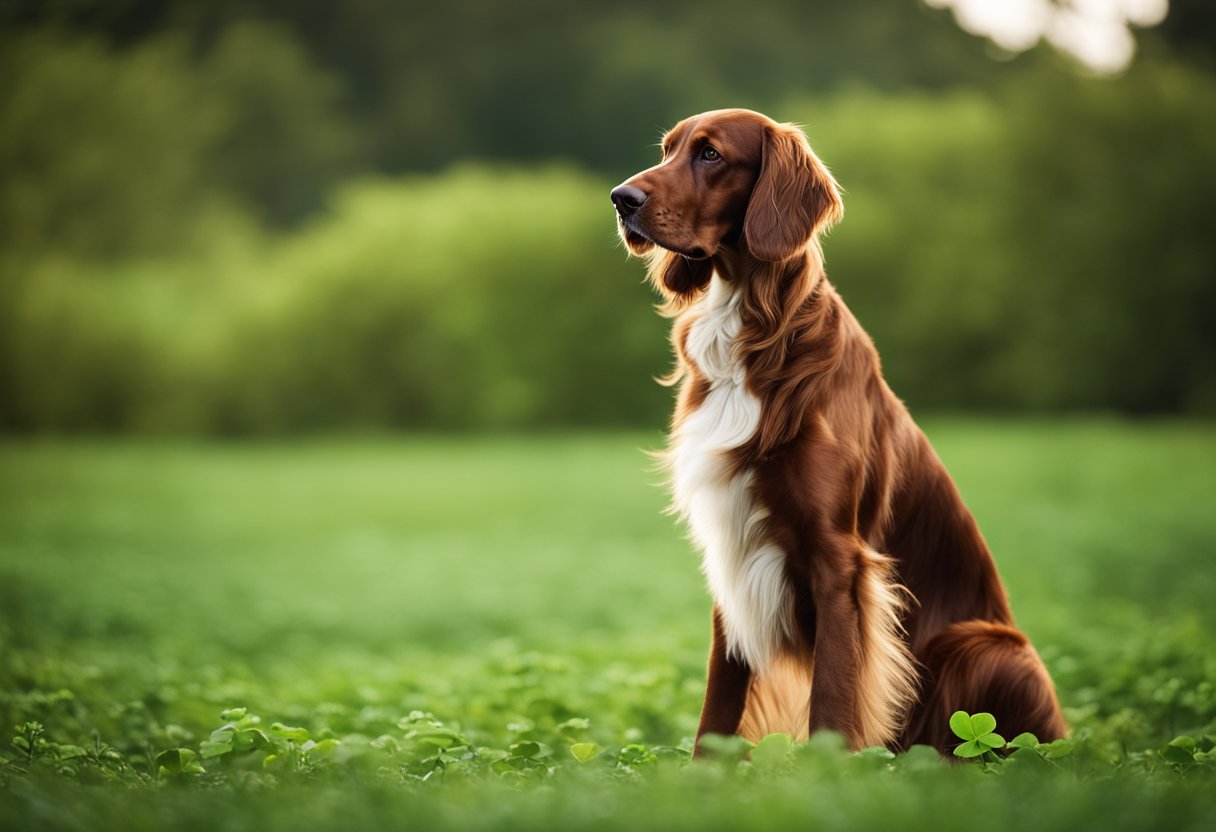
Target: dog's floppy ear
794	198
675	274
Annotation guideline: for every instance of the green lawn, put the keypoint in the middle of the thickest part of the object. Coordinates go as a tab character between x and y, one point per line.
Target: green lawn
529	595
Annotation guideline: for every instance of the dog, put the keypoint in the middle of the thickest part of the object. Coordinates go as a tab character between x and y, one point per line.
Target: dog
852	590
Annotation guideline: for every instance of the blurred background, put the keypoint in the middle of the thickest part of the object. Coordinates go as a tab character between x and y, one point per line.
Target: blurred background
249	217
256	256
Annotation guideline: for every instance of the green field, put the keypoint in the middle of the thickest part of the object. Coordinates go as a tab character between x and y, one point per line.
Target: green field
529	595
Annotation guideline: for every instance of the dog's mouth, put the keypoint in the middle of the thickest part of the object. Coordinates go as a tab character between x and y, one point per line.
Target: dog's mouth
639	240
636	240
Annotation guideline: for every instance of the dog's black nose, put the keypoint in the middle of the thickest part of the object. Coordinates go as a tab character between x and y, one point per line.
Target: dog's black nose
628	199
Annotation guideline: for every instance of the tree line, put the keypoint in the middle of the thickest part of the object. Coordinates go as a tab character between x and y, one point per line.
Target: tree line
258	217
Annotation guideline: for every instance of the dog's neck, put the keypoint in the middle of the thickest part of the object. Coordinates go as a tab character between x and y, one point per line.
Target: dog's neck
774	294
795	335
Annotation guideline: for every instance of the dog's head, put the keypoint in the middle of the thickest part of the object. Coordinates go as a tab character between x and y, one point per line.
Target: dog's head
730	181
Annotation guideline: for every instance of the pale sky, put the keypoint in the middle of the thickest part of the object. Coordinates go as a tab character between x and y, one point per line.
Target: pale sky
1096	32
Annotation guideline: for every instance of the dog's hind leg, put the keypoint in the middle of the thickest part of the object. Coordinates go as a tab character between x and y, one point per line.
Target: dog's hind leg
983	666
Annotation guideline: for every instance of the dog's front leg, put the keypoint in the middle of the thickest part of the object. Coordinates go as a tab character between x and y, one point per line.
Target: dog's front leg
725	689
864	677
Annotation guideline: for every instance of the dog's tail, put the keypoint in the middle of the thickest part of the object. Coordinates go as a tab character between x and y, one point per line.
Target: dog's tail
978	666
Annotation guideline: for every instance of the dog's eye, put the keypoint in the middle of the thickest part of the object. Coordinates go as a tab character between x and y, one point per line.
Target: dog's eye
709	154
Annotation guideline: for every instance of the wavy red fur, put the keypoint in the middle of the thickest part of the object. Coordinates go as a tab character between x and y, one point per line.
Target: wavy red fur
897	614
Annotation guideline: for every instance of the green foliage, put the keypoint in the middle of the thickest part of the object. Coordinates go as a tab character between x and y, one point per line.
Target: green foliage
284	144
480	299
1183	753
212	222
585	751
323	634
500	298
175	762
1025	240
978	733
158	150
95	147
545	79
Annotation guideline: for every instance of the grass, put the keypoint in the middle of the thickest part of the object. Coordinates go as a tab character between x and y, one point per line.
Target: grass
520	596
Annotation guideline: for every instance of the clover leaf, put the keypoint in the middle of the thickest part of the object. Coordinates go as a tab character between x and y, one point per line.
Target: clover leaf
978	733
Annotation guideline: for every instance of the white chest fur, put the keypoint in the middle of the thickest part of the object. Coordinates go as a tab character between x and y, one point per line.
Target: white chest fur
745	571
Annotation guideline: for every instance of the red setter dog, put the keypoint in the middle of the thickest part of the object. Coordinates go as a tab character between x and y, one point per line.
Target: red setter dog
852	589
